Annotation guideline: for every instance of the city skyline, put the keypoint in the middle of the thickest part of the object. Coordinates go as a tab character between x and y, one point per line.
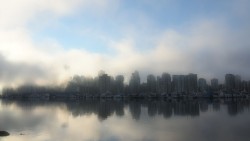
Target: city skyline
45	42
105	84
124	70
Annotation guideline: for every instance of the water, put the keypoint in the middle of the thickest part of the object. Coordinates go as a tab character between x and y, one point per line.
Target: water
144	120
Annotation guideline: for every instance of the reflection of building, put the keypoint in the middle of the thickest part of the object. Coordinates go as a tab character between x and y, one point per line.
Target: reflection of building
216	105
202	84
203	106
135	109
152	108
186	108
215	84
166	109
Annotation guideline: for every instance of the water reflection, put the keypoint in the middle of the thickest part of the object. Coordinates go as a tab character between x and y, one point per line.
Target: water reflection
106	108
125	119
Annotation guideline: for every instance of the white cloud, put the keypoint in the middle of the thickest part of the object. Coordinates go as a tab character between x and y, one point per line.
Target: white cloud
207	47
18	49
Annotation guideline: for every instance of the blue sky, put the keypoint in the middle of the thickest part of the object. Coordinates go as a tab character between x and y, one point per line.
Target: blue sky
144	17
88	29
208	37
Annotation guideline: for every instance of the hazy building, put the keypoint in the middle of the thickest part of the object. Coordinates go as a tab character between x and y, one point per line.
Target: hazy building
144	87
244	86
202	84
165	83
248	86
179	83
192	83
104	81
151	83
135	82
229	82
237	83
119	83
159	88
185	83
214	84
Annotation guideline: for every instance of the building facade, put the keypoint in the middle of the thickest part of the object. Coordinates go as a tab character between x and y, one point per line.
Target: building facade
202	84
214	84
229	82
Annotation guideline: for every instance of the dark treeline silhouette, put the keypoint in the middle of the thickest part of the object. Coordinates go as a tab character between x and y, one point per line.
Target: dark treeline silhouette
106	86
167	108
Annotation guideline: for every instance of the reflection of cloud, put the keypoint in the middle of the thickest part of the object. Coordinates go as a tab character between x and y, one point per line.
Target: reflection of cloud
21	119
55	121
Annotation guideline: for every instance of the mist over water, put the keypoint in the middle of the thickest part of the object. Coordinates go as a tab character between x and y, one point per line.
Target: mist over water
173	70
134	120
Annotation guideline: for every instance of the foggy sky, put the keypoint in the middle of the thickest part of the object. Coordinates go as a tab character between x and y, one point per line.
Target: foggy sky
47	42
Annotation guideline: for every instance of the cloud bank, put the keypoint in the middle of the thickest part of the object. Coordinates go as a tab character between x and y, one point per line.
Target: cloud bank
208	46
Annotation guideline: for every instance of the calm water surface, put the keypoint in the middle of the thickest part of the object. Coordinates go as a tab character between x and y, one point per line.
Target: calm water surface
144	120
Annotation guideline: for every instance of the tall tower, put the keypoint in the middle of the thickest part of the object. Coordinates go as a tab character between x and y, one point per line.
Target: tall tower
202	84
192	83
179	83
215	84
237	82
135	82
166	82
230	82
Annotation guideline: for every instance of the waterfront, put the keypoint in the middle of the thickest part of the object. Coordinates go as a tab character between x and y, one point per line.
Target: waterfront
121	120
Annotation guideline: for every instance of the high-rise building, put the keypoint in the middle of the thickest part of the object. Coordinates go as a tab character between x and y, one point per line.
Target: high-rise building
248	86
151	83
135	82
165	83
237	83
185	83
192	83
230	82
179	83
119	83
104	81
202	84
214	84
159	87
243	86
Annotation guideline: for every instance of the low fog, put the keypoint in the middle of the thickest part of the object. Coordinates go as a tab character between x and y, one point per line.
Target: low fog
210	47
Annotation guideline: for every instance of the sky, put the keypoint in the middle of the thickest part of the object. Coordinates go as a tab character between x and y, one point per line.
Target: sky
47	42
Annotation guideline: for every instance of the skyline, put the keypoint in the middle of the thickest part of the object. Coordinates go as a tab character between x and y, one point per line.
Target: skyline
164	82
105	86
46	42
